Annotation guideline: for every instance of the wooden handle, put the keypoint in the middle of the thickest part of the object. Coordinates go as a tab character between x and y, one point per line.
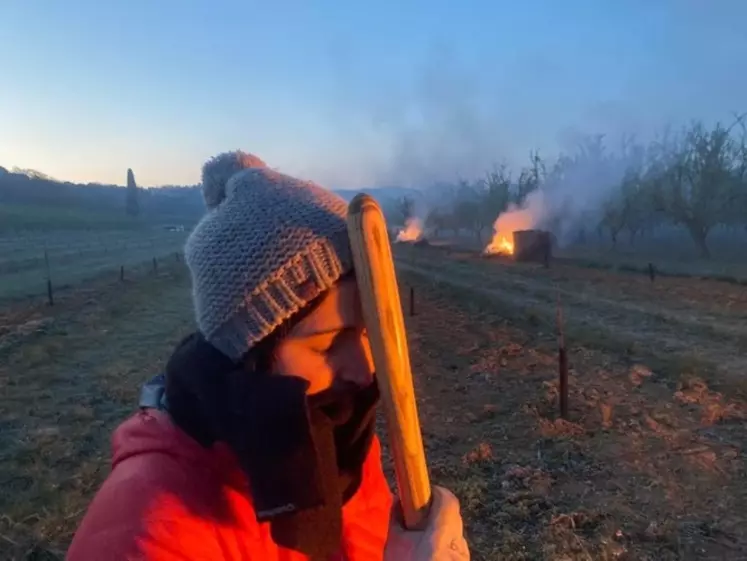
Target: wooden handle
382	312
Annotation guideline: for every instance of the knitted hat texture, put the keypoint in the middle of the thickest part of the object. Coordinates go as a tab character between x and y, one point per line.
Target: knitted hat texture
268	245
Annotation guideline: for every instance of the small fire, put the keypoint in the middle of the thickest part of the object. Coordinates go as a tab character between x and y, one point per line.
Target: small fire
515	218
500	245
412	231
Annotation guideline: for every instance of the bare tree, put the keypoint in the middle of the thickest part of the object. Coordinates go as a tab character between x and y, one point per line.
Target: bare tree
407	208
696	180
468	211
531	177
497	191
737	215
627	208
613	217
437	221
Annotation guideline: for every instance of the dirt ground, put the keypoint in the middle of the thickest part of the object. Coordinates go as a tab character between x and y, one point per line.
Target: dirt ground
650	465
68	376
676	322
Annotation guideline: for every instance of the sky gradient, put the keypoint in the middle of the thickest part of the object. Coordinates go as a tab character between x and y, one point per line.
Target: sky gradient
351	95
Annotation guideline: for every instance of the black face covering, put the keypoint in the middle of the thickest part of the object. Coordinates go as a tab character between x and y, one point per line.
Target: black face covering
303	456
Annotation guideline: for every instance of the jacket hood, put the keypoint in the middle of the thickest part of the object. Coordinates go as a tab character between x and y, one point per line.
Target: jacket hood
151	431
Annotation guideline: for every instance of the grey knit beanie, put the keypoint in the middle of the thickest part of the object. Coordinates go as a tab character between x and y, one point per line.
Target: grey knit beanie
268	245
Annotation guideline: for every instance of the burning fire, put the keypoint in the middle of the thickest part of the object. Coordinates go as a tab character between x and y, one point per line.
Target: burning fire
500	244
514	219
412	231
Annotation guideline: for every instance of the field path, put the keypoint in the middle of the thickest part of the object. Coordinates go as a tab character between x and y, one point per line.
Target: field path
618	310
640	471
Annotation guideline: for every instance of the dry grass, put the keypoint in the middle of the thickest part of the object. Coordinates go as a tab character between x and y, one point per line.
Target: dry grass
650	465
68	376
673	324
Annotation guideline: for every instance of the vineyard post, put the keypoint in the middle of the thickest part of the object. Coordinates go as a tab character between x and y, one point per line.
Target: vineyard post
651	272
562	363
50	294
412	301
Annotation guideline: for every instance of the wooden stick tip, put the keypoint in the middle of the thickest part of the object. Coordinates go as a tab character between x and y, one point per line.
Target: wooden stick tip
360	202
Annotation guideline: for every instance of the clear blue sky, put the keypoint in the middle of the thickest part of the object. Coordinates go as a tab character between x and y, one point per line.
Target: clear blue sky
347	93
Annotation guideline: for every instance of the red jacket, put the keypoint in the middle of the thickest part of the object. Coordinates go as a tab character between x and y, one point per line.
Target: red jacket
168	498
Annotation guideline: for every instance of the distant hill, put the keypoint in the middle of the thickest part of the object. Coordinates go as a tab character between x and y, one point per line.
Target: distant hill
24	190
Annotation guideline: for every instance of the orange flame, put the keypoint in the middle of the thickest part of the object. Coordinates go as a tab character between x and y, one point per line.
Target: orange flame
513	219
500	245
412	231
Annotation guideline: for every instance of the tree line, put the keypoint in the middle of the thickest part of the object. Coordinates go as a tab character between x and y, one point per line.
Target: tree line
694	178
30	187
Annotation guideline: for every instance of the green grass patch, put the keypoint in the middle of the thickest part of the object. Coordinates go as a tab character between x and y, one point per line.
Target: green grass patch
39	217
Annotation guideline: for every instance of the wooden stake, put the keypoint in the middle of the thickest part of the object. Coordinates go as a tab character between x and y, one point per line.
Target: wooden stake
46	264
121	273
382	312
651	272
562	364
412	301
50	292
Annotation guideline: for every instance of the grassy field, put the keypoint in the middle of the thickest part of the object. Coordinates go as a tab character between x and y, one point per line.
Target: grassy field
68	376
650	465
71	256
14	217
71	245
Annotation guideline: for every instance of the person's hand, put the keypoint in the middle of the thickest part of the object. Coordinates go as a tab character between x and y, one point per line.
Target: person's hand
442	539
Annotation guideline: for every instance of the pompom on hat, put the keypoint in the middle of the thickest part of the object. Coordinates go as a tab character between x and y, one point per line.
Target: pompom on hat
268	245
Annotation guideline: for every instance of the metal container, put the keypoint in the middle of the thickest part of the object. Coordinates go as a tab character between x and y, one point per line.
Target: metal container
532	245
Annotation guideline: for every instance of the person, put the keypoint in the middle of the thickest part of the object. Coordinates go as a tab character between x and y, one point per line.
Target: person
258	442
